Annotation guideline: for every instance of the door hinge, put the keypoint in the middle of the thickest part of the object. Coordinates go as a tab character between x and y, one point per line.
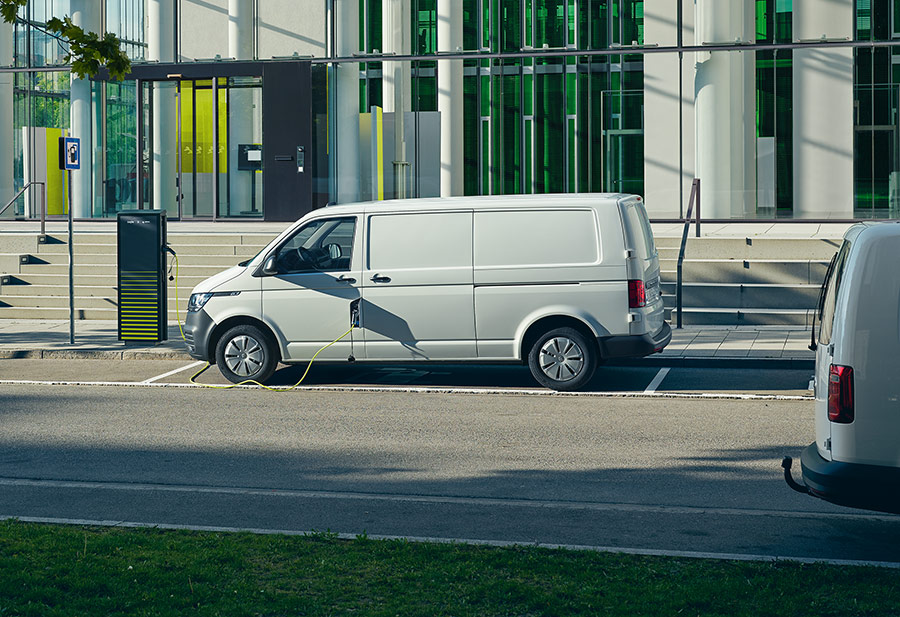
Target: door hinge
827	444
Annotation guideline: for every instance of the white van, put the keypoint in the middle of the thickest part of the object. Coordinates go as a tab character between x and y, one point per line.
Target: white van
561	282
855	460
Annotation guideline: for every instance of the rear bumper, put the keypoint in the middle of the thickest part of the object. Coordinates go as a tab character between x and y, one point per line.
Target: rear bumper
635	346
871	487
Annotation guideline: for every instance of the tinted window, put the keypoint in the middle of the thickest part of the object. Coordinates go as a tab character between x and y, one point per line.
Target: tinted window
639	228
833	285
325	244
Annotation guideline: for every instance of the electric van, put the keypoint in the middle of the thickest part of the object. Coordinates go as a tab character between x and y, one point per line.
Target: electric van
855	460
560	282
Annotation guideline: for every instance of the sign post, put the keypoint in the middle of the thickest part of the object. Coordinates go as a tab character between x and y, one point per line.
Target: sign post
70	159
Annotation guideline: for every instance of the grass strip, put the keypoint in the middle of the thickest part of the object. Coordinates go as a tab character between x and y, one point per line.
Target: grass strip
50	570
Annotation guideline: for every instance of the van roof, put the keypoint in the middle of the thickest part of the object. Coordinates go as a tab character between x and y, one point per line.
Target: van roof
551	200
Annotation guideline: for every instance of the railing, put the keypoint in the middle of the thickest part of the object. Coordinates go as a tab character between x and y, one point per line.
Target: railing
43	202
695	196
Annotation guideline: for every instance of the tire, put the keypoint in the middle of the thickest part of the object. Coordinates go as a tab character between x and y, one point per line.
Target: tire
246	352
563	359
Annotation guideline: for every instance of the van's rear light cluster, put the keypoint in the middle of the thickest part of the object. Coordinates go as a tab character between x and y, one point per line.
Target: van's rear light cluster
840	394
636	296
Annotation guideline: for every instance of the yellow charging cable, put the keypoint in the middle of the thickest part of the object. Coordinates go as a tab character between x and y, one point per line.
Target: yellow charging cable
273	389
246	381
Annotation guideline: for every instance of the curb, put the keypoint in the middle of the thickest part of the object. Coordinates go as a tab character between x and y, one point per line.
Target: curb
721	362
92	354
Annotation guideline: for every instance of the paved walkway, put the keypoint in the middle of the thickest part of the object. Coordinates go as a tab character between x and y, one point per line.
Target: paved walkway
708	345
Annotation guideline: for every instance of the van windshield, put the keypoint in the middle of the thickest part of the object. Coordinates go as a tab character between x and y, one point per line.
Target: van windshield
833	285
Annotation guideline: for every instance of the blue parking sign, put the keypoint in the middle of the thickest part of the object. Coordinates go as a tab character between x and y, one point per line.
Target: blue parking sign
69	153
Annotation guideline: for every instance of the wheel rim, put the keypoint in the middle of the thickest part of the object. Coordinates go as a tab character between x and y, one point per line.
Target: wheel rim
561	359
244	355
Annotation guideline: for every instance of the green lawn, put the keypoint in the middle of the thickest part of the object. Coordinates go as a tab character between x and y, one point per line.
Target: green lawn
68	570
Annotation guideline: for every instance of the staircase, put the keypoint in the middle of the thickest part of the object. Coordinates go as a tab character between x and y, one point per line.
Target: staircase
34	271
759	281
726	281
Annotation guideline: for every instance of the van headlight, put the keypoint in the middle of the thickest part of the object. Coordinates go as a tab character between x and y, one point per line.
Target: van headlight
197	301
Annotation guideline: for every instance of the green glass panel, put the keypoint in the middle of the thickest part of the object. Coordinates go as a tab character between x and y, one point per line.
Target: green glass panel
550	130
485	95
529	155
470	134
571	155
528	16
571	94
470	24
528	93
511	147
485	158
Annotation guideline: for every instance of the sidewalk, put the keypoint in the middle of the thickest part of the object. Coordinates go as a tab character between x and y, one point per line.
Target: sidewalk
726	346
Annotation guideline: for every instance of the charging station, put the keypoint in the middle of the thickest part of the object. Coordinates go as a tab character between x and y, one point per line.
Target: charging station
142	275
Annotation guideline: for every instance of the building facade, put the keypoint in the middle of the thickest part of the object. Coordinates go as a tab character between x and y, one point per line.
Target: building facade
266	109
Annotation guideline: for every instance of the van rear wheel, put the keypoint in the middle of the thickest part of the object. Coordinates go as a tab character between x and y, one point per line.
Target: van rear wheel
246	353
562	359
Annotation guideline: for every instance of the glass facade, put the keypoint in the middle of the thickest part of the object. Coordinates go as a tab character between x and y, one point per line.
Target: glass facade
783	111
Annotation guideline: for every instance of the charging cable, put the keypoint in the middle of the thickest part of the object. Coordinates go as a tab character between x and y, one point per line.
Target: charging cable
247	381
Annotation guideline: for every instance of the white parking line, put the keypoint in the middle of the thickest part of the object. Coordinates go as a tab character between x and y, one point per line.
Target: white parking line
653	385
178	370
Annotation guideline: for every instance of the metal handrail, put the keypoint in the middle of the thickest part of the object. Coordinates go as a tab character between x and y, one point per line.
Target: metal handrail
43	202
695	196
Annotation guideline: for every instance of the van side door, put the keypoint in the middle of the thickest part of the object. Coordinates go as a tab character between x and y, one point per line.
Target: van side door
307	301
417	286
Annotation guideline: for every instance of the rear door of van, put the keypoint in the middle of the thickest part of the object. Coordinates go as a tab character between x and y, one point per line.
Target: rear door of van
417	286
642	265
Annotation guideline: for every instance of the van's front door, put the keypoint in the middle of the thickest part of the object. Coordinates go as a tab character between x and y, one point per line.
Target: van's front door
418	301
307	301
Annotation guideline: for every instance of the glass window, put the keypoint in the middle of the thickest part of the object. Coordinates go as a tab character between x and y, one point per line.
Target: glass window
321	245
833	285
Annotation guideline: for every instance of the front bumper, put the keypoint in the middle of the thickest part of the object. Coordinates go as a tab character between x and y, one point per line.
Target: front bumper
198	327
634	346
871	487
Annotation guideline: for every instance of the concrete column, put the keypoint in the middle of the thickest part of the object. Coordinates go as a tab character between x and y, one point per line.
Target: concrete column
346	115
85	13
240	126
396	37
161	48
665	190
725	105
6	119
450	100
823	112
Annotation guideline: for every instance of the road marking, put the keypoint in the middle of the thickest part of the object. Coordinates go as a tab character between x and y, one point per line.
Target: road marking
492	502
178	370
433	390
438	540
429	390
653	385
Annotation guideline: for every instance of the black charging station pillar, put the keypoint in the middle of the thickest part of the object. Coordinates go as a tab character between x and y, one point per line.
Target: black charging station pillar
142	276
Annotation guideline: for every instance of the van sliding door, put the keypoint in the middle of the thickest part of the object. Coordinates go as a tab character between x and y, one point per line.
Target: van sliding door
417	287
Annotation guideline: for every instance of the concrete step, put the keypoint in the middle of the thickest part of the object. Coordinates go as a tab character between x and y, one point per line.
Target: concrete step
794	271
110	270
185	281
749	296
741	317
174	239
15	312
81	302
62	259
79	249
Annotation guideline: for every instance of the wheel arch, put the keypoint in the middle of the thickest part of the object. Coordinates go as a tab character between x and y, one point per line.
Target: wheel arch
550	322
240	320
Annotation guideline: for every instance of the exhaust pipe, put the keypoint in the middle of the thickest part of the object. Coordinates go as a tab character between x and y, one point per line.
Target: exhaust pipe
786	463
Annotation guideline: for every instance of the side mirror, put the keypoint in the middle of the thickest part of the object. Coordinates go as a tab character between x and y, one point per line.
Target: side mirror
269	268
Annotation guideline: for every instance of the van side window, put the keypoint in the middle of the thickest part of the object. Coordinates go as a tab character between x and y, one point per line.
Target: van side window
320	245
432	240
831	291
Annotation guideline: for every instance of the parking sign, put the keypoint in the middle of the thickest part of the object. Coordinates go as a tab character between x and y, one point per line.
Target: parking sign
69	153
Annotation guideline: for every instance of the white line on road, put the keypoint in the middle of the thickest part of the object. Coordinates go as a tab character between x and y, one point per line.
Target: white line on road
431	390
653	385
178	370
497	543
492	502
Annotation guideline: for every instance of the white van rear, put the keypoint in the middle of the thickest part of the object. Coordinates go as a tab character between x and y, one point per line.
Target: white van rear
855	460
560	282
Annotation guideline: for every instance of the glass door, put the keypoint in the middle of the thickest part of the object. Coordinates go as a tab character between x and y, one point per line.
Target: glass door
202	147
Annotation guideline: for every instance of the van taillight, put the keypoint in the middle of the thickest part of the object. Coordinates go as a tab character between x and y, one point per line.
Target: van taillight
840	394
636	296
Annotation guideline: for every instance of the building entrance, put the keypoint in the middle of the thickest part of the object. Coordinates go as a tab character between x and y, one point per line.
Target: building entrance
205	145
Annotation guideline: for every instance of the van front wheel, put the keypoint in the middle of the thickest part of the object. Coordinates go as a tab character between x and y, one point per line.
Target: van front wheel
562	359
246	353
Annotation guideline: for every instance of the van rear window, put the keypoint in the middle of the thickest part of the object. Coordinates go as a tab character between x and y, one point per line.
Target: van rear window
536	237
639	229
833	285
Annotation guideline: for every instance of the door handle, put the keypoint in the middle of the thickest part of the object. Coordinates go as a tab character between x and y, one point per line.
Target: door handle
346	279
380	279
